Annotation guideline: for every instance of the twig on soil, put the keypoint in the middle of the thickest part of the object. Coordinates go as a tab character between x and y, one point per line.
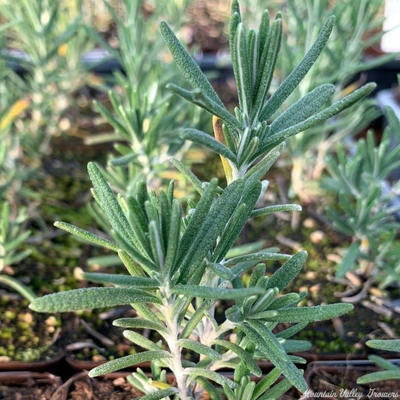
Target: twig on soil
387	329
101	338
379	309
288	242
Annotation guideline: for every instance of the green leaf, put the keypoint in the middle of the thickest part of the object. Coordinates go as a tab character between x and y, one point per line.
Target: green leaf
208	231
156	244
197	97
389	345
139	323
303	108
208	141
188	174
267	343
173	236
109	202
205	292
267	63
244	356
111	119
18	286
273	209
278	390
288	271
238	221
132	267
234	22
128	361
160	394
121	280
220	270
140	340
295	346
143	261
259	256
295	77
189	68
289	332
318	118
90	237
195	318
87	298
378	376
266	382
199	348
311	314
383	363
258	171
214	376
209	388
348	261
188	239
241	70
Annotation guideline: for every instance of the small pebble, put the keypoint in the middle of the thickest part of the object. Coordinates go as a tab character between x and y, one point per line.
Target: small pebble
311	275
309	223
119	381
317	236
51	321
27	317
315	288
98	357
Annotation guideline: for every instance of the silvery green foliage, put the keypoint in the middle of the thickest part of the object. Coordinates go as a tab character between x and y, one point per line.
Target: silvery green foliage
145	118
12	235
177	269
390	370
248	142
343	58
364	211
50	35
179	263
12	232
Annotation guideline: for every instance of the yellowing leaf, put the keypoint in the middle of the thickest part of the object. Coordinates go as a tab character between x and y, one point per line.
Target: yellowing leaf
16	109
219	135
161	385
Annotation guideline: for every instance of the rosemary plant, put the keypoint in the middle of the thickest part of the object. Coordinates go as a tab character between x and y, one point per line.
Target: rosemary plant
145	118
12	232
343	58
12	235
179	263
364	211
48	43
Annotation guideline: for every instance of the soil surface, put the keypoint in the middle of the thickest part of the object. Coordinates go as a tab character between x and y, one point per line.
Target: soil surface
32	388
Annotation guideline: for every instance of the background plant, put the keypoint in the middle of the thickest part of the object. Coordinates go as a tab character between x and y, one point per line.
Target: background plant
48	43
12	229
145	118
179	263
358	27
364	211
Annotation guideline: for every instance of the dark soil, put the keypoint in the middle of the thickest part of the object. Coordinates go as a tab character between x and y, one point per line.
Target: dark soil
35	387
112	387
98	389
